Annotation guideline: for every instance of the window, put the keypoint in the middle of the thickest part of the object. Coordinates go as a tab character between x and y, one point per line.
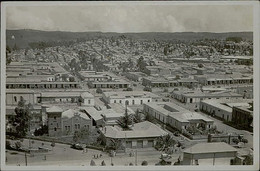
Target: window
148	100
15	98
114	101
133	101
88	101
78	126
75	126
141	101
120	101
55	129
68	128
21	98
54	118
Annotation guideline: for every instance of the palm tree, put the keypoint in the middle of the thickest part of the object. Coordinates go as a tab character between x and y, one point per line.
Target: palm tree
138	116
165	142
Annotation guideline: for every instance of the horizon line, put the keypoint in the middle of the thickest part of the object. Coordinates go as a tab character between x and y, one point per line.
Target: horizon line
130	32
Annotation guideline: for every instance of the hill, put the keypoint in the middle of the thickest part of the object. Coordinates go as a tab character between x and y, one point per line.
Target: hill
24	37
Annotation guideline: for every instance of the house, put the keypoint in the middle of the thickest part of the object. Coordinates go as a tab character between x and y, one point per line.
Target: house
214	153
195	96
141	135
176	116
130	97
242	116
135	76
222	108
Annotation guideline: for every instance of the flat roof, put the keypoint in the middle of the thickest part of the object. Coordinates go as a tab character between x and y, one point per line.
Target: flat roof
139	130
213	147
127	94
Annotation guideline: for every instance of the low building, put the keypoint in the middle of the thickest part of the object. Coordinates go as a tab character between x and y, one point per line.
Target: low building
243	117
130	97
222	108
220	79
141	135
106	116
196	96
214	153
14	96
176	116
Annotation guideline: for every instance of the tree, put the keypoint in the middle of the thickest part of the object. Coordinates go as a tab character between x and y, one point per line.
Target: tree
103	163
82	134
99	91
21	120
41	131
200	65
102	140
115	144
125	121
71	79
164	142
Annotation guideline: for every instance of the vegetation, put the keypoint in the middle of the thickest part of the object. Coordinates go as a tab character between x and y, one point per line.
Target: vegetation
248	160
138	117
80	135
103	163
125	121
41	131
144	163
163	143
21	120
92	163
148	89
8	57
99	91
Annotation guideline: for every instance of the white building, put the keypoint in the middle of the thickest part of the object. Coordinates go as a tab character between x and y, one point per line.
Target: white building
132	97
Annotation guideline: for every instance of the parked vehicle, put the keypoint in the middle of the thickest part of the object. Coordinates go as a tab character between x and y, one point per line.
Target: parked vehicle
77	146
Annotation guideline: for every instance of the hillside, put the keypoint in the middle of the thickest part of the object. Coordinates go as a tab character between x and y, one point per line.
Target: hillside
24	37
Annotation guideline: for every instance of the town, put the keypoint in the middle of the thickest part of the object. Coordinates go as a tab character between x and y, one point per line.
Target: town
117	100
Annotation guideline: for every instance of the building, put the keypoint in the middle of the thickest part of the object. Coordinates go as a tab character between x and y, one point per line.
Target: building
214	153
141	135
106	116
54	121
63	123
222	108
176	116
80	97
243	117
14	96
219	79
74	120
131	97
195	96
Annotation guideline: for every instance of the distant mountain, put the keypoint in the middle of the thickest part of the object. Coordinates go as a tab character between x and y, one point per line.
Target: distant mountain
23	37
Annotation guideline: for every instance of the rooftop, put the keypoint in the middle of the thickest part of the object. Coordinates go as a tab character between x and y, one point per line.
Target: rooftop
139	130
213	147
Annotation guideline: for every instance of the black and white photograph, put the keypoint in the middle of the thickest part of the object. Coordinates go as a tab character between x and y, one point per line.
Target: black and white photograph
130	85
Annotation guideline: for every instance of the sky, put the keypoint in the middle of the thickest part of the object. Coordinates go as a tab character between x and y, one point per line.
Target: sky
132	18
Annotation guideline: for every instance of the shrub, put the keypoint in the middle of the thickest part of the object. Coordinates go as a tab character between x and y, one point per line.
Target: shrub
244	140
148	89
131	164
18	145
144	163
103	163
99	91
92	163
235	140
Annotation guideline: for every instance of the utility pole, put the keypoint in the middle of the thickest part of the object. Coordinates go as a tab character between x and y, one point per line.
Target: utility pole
25	156
136	157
